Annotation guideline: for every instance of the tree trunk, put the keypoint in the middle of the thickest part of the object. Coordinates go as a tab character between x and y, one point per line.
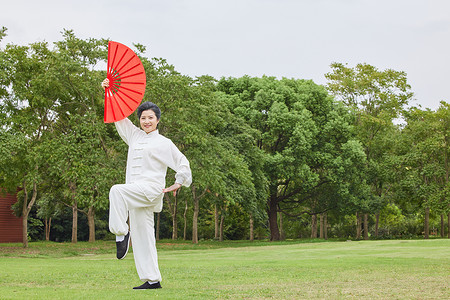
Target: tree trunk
185	220
447	174
173	213
321	226
358	225
377	221
325	226
448	226
216	222
251	228
222	217
273	224
158	222
427	223
91	223
48	224
72	187
25	217
74	221
282	234
25	229
174	219
195	217
26	208
314	226
442	226
366	226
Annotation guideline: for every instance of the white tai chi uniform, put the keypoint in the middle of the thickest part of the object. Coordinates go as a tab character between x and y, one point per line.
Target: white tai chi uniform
149	155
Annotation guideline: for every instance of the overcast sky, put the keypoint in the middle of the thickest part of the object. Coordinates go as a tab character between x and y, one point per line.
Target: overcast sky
282	38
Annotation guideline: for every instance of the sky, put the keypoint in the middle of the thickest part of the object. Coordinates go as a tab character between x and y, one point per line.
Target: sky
282	38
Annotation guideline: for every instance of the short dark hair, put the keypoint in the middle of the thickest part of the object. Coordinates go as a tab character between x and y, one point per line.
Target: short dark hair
146	106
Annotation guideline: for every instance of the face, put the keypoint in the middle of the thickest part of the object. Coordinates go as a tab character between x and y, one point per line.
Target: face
148	121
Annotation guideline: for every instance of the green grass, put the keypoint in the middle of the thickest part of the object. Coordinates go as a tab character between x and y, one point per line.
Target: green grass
417	269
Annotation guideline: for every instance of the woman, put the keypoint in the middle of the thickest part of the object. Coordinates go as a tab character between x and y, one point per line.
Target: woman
149	155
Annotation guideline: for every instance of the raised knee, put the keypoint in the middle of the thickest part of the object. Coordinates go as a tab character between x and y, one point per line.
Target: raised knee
114	190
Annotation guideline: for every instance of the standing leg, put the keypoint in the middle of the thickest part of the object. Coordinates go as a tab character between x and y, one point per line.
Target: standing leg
144	244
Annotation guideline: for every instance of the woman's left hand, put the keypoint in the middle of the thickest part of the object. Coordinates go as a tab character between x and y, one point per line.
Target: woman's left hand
173	188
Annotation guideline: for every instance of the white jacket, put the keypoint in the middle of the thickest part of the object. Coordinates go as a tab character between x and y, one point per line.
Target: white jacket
149	155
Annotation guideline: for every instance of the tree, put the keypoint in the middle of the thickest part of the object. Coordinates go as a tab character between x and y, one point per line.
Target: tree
378	98
442	127
183	100
216	162
29	94
425	164
84	165
300	131
78	152
57	93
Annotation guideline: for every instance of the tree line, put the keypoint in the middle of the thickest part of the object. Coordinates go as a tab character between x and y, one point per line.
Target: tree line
271	158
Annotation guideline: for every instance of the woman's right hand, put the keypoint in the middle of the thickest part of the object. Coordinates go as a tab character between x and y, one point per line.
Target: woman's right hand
105	83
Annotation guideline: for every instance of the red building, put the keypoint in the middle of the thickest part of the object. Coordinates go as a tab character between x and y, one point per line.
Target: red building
10	225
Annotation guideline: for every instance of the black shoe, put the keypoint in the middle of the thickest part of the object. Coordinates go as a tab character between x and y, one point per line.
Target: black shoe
147	286
122	247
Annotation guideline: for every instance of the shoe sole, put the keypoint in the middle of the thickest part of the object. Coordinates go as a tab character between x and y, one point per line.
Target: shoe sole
128	247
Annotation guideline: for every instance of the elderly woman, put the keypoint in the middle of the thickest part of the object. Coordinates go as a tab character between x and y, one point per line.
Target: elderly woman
149	155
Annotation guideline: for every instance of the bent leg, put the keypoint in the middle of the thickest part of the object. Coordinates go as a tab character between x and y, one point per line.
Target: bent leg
123	197
144	244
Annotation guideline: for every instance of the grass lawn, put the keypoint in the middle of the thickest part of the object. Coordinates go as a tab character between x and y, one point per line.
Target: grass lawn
413	269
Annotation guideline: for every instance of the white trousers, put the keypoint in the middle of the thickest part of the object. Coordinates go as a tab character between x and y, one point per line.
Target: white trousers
129	200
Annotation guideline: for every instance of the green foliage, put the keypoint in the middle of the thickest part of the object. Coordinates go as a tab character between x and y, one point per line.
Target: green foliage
425	153
378	98
391	217
49	108
3	32
380	94
80	158
305	139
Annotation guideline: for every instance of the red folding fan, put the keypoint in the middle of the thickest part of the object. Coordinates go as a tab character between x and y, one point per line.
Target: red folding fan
127	80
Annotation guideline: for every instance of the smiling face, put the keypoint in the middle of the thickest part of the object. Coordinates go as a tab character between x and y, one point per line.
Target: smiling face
148	121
